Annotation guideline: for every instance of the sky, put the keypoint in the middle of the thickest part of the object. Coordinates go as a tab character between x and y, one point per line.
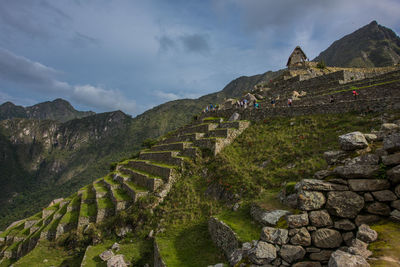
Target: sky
131	55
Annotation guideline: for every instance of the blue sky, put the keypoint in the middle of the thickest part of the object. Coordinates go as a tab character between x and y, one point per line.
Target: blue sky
104	55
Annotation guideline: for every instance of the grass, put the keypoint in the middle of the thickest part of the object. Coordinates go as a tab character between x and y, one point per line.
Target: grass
136	187
273	151
121	195
149	175
18	227
240	222
105	203
387	247
136	251
108	179
88	193
100	187
361	87
88	210
70	217
46	254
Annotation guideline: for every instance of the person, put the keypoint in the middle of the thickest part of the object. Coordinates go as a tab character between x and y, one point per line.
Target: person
289	102
355	94
273	101
331	100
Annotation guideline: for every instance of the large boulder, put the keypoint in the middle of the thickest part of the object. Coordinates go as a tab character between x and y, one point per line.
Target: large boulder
326	238
384	195
394	174
344	204
291	253
333	157
274	235
345	225
310	200
263	253
368	184
319	185
379	208
391	143
389	127
106	255
358	247
357	171
391	160
267	218
234	117
366	234
340	258
300	237
117	261
352	141
297	221
320	218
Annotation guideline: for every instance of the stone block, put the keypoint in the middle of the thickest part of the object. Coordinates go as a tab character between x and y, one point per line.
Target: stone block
352	141
379	208
384	195
320	218
326	238
345	204
310	200
274	235
291	253
368	184
297	221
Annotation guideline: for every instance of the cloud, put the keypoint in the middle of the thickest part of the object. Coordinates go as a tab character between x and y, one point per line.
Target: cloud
166	43
166	96
196	43
83	40
35	76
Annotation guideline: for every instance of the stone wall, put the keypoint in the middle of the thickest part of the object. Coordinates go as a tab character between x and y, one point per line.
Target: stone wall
158	261
223	236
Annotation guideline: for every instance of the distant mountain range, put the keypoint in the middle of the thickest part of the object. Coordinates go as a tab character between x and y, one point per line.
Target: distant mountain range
58	110
50	150
370	46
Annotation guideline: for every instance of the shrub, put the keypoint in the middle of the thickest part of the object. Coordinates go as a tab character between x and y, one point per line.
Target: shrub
321	65
149	142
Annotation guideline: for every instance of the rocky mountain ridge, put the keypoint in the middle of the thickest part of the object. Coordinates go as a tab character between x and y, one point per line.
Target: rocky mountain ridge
370	46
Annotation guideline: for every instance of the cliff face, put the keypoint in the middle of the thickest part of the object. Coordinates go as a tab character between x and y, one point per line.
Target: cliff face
370	46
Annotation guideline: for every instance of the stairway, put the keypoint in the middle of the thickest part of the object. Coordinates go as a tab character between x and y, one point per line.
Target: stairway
152	173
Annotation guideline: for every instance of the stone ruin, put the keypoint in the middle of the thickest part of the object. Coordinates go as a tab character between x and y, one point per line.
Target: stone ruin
334	209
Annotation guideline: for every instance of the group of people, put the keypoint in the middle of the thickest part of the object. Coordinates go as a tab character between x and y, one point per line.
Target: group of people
210	107
246	103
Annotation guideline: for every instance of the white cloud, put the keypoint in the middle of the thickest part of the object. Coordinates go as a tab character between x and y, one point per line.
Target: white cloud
37	77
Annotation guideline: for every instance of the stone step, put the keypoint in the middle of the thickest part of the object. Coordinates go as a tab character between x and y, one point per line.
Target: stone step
166	157
133	190
214	144
212	120
120	198
179	146
70	219
240	125
161	170
100	189
88	194
105	209
141	178
183	138
87	214
200	128
221	132
110	183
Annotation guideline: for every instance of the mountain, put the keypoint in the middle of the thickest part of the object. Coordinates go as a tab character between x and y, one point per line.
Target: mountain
370	46
58	110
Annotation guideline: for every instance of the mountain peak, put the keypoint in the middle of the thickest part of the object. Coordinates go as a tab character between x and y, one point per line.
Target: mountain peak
373	45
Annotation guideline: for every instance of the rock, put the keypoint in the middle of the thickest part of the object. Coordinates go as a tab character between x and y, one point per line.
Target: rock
333	157
338	181
391	160
312	250
366	234
235	116
300	236
322	174
319	185
379	208
320	218
268	218
310	200
366	219
235	257
359	247
326	238
311	228
291	253
371	137
348	237
123	231
381	152
389	127
344	259
264	253
394	174
391	143
117	261
323	255
345	204
297	221
345	225
384	195
235	207
274	236
352	141
368	197
307	264
395	215
106	255
397	191
396	204
151	234
115	247
357	171
366	159
368	184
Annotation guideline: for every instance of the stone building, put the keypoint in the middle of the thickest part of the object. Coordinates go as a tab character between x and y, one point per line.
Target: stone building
297	59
